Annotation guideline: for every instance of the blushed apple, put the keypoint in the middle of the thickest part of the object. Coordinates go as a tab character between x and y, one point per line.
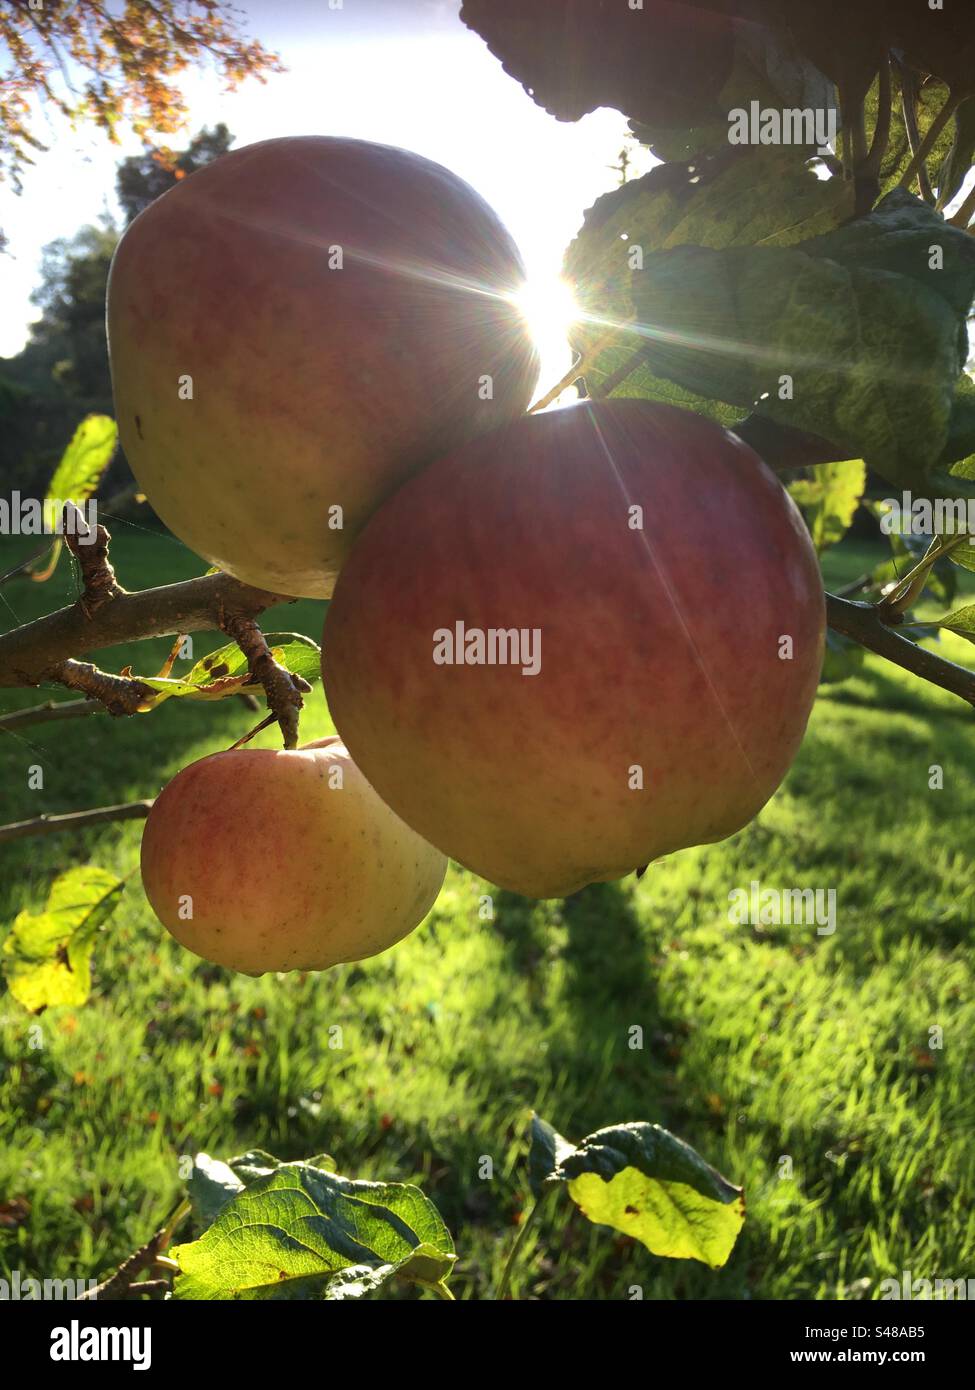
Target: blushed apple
295	329
260	860
578	644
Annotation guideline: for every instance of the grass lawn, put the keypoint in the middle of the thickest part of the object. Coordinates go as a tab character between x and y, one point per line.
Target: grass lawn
798	1064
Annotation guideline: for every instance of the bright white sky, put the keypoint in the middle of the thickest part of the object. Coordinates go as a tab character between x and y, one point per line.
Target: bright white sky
403	72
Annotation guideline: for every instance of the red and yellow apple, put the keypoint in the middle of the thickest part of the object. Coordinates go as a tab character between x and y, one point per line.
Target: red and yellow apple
297	328
260	860
577	644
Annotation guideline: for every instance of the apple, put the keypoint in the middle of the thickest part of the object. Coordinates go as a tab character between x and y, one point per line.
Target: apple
295	329
578	644
260	860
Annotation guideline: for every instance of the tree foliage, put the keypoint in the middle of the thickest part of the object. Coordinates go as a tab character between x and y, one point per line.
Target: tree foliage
143	178
91	62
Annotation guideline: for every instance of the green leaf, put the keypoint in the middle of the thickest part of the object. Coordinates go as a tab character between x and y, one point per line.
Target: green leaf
870	335
959	451
842	658
298	653
829	500
762	197
76	477
961	621
546	1153
662	69
257	1163
213	1183
906	550
645	1182
900	236
224	672
359	1281
210	1186
298	1225
767	68
870	356
47	957
82	464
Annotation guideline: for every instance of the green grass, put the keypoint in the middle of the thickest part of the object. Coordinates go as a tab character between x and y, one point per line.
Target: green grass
763	1047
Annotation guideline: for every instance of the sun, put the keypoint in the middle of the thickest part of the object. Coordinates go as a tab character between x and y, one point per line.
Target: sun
549	308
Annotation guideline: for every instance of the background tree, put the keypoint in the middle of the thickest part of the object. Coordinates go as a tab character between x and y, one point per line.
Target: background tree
63	372
143	178
92	63
69	338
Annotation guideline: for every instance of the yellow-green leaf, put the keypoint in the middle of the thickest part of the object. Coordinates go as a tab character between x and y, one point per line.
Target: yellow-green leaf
645	1182
668	1218
83	463
47	956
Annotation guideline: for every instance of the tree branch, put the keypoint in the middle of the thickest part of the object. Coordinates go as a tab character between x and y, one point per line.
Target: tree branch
282	687
917	167
119	1284
909	112
870	169
99	585
74	820
30	654
54	711
51	712
119	694
864	624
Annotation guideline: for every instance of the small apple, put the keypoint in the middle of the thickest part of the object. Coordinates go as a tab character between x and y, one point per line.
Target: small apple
260	860
295	329
579	643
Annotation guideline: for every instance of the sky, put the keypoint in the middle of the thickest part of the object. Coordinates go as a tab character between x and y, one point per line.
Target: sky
401	72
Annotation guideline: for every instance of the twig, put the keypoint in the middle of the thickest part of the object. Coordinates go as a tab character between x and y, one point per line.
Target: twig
265	723
864	624
909	111
25	564
122	1284
855	586
965	213
99	584
282	687
626	368
916	168
54	711
117	1285
581	365
870	168
119	694
51	712
74	820
855	147
152	1287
